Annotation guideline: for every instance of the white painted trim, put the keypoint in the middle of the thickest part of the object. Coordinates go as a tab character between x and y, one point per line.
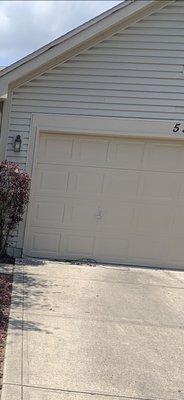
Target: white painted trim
30	163
5	126
109	126
98	126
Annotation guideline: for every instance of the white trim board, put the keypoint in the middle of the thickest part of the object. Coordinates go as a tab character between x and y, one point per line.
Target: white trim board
98	126
106	126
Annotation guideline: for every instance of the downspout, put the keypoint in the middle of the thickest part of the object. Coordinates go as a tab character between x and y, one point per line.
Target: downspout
1	118
1	114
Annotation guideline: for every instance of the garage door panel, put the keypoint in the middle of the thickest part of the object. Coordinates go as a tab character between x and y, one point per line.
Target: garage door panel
150	248
180	196
68	180
159	186
153	219
93	181
64	213
176	251
115	217
86	181
92	150
178	223
80	213
48	213
111	247
50	180
55	149
78	244
124	184
47	242
164	157
126	154
137	218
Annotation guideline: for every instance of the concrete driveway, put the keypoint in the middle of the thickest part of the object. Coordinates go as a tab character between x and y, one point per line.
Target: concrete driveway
95	333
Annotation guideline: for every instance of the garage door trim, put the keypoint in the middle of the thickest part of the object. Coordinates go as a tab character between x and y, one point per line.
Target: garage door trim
98	126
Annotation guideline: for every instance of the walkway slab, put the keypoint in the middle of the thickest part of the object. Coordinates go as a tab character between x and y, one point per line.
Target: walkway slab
95	332
13	356
11	392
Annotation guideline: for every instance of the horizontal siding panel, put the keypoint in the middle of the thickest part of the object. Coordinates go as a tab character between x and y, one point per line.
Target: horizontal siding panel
104	113
176	25
94	105
131	59
24	135
113	83
65	81
109	51
37	94
155	31
19	128
170	10
21	121
101	95
24	148
166	17
20	115
114	102
113	66
132	87
22	154
144	45
17	159
139	81
146	38
25	142
73	73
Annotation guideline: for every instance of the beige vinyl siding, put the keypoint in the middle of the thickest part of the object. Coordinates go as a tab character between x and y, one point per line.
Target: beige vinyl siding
137	73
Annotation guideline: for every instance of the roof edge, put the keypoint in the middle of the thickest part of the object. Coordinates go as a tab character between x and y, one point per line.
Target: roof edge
81	38
64	37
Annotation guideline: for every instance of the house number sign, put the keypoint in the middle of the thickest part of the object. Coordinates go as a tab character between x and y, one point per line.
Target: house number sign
178	128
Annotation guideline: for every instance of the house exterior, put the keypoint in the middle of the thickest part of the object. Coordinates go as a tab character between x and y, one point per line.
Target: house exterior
100	112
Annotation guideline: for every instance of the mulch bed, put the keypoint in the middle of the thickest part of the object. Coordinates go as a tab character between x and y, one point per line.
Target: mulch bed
5	301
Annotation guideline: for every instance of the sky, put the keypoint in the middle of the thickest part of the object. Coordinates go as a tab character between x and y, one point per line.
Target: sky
28	25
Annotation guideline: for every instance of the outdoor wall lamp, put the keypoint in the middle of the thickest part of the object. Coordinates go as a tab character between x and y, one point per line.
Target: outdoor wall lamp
17	143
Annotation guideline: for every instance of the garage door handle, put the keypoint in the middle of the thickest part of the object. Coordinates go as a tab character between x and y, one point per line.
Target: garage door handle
99	215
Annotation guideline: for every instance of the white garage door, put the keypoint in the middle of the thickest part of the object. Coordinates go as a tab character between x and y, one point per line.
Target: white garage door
107	199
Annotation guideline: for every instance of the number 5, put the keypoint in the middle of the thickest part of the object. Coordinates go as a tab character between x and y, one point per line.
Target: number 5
176	128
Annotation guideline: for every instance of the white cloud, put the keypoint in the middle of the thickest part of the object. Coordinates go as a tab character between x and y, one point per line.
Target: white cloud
3	20
28	25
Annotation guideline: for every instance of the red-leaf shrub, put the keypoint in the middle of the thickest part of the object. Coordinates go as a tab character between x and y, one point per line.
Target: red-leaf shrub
14	196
